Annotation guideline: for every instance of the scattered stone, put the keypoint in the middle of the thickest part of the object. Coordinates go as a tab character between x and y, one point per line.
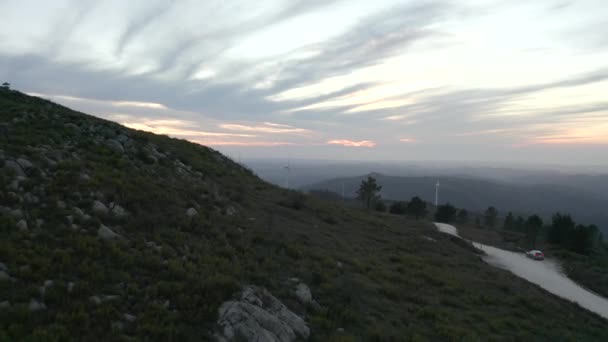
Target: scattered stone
3	267
36	305
258	316
303	293
115	145
118	211
339	264
11	165
191	212
129	318
14	185
154	246
99	208
39	223
78	211
340	330
22	225
29	198
95	300
70	287
61	204
25	164
48	283
294	280
5	304
230	211
70	219
106	233
429	238
4	275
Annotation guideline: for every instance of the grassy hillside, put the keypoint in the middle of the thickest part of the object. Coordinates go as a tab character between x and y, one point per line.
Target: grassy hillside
194	227
479	194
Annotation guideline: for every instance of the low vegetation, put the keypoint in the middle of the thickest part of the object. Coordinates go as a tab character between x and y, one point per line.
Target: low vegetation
114	234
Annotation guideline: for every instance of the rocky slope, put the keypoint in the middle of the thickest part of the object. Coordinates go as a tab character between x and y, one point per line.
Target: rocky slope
114	234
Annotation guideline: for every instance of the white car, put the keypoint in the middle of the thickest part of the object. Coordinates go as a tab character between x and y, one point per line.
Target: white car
536	255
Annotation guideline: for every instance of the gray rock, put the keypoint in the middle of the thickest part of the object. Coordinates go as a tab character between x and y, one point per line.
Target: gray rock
115	145
70	287
17	213
39	223
129	318
25	164
339	264
106	233
95	299
118	325
3	267
48	283
259	316
4	275
61	204
36	305
5	304
29	198
303	293
12	165
191	212
22	225
78	211
118	211
99	208
230	211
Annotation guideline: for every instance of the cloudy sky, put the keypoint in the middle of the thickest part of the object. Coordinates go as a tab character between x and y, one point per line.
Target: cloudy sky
521	81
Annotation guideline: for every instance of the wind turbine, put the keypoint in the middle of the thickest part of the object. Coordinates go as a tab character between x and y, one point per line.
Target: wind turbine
437	194
288	171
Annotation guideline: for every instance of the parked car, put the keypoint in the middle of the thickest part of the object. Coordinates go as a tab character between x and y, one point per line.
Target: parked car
536	255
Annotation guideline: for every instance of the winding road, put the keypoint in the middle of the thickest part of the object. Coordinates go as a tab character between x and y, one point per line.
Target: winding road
546	274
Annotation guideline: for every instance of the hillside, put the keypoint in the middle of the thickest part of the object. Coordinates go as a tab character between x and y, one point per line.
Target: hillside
478	194
114	234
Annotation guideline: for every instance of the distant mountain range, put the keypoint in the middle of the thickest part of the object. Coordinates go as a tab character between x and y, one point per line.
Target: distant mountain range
529	197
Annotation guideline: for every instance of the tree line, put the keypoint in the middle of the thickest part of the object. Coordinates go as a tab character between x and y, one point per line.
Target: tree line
562	230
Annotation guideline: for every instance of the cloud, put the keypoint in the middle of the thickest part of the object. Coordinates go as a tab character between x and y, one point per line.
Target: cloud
352	143
266	127
407	140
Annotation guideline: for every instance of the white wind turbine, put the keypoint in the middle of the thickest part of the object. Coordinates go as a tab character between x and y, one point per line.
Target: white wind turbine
288	171
437	194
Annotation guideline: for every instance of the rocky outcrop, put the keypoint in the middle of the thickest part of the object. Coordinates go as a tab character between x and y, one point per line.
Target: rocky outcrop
99	208
256	315
191	212
303	293
106	233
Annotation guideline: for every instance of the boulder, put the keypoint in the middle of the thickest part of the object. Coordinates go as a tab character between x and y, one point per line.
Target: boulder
258	316
118	211
3	267
5	304
191	212
303	293
99	208
36	305
106	233
129	318
22	225
16	168
115	145
25	164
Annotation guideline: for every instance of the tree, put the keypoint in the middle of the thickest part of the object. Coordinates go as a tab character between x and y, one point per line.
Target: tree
520	224
533	225
398	208
489	217
509	223
445	213
416	207
6	85
380	206
561	227
463	216
582	238
477	222
369	191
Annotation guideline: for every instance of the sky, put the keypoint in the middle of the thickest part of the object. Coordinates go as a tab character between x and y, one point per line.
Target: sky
470	80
